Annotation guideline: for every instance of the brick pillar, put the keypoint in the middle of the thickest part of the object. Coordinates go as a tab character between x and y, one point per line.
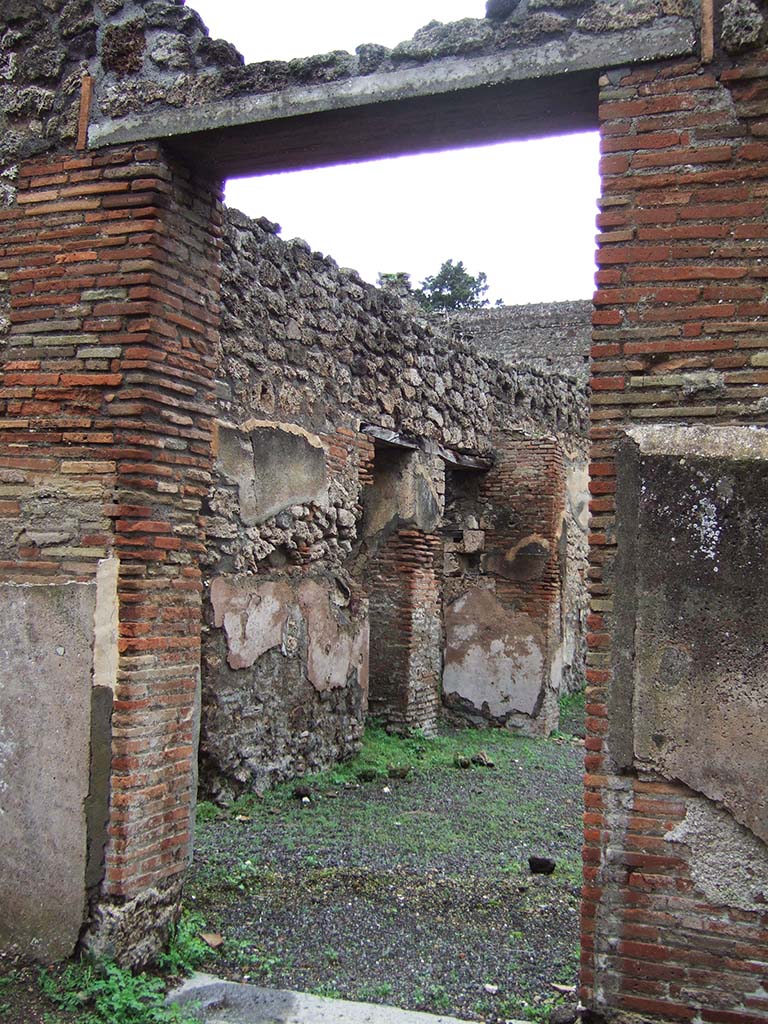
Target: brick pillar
406	631
670	929
112	263
523	498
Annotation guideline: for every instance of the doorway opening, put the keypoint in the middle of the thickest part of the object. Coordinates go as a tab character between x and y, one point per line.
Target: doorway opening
442	517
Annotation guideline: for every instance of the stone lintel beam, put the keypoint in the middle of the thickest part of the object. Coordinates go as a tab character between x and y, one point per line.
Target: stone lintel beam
393	439
531	90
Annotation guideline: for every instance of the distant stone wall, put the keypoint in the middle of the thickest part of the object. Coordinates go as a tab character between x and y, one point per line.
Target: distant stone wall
550	336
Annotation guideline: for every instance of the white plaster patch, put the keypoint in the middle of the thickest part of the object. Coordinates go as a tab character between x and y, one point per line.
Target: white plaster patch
705	523
46	654
728	442
105	649
333	652
287	428
728	863
494	658
275	466
253	618
7	751
257	617
463	633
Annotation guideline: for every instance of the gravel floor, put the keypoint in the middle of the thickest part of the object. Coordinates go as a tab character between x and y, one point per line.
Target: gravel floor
414	892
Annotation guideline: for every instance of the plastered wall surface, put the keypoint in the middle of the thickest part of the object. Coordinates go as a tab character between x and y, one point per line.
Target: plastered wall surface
694	548
506	552
285	689
45	736
273	466
494	658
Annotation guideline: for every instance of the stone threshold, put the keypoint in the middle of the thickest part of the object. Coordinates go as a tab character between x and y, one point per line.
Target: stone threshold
226	1002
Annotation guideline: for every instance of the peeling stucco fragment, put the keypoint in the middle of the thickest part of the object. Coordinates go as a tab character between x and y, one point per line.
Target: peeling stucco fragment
253	617
275	466
258	616
728	863
333	652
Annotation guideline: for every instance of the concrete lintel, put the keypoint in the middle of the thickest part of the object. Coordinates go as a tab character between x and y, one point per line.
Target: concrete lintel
667	37
738	443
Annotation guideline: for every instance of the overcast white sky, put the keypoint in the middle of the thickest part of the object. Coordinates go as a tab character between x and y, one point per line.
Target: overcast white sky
522	212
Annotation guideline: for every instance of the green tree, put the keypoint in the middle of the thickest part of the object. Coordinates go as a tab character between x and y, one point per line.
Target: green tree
452	287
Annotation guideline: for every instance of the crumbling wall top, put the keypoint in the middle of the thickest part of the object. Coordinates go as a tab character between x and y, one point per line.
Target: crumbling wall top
155	58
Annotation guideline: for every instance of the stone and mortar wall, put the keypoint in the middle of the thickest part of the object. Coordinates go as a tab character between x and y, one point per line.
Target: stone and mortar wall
674	913
285	636
310	353
302	339
551	336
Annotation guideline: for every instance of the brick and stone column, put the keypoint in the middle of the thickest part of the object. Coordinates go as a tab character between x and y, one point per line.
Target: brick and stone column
107	387
675	819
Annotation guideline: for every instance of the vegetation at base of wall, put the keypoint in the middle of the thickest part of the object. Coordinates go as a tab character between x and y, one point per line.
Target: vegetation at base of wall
572	712
384	754
101	992
185	950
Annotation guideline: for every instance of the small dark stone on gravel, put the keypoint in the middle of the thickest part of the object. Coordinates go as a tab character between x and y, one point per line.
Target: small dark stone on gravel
497	10
399	771
301	793
541	865
563	1015
482	759
367	774
463	762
